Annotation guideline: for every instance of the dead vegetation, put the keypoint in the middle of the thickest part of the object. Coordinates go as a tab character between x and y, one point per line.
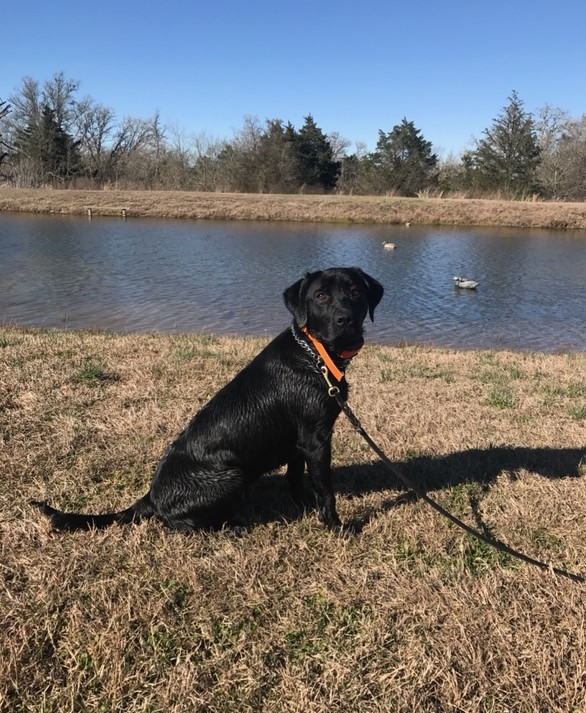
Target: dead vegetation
410	615
330	208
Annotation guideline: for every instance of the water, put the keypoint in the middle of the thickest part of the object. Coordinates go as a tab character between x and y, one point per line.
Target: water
194	276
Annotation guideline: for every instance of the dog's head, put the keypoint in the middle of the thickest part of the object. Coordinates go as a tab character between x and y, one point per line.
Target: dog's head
333	305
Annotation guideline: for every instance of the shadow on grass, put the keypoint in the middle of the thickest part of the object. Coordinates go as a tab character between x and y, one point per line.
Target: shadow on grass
271	498
472	466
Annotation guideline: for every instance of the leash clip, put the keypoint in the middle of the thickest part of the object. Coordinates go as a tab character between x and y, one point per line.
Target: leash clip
333	390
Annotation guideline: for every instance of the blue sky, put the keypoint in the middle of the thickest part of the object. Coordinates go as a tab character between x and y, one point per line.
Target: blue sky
356	66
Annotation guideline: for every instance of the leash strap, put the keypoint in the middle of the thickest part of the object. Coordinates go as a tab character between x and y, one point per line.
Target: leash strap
446	513
325	363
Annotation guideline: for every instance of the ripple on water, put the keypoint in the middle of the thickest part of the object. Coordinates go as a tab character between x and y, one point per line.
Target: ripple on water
228	278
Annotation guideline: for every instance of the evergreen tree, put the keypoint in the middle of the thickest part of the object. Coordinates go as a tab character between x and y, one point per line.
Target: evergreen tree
314	154
279	166
508	156
52	152
404	161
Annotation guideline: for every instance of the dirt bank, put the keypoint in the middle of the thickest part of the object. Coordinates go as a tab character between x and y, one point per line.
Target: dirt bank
332	209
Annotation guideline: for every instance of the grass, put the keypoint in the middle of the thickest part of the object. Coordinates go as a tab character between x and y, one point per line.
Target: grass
330	208
91	373
410	615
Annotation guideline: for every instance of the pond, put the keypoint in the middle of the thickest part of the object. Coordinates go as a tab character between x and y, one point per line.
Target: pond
228	277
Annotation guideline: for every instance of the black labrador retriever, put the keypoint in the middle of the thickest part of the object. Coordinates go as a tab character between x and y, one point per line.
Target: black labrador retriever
275	412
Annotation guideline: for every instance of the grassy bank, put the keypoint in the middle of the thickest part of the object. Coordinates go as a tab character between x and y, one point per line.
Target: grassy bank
333	209
410	615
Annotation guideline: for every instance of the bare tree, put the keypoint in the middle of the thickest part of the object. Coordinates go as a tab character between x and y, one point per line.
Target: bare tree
59	93
26	107
207	172
572	152
4	147
550	126
144	162
243	157
130	136
95	127
4	108
31	105
179	159
339	145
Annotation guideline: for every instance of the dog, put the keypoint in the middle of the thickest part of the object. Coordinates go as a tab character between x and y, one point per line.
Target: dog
277	411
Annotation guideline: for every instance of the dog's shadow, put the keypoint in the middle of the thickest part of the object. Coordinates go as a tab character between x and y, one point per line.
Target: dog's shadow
271	500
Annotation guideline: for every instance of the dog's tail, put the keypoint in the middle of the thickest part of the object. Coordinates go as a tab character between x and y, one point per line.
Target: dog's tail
141	510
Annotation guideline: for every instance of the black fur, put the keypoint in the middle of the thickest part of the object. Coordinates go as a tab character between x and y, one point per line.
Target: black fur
275	412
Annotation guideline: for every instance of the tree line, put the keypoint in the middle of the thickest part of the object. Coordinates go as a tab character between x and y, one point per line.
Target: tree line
52	136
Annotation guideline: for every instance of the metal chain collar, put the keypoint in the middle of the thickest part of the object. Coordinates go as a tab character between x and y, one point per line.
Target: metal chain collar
317	362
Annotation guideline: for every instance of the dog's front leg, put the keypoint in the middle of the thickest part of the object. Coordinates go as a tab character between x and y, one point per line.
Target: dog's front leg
295	468
318	456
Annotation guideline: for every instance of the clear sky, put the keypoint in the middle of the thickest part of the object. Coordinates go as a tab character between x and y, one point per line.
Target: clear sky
357	67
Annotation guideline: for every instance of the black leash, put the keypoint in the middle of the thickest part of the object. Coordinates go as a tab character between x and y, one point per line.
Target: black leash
327	368
446	513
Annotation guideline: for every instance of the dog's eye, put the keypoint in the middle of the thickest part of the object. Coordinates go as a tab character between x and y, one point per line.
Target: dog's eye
321	296
355	292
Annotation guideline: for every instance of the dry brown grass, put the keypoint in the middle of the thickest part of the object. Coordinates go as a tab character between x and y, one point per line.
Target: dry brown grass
410	615
333	209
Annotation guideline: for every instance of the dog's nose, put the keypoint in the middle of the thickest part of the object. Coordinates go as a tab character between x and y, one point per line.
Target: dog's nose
344	320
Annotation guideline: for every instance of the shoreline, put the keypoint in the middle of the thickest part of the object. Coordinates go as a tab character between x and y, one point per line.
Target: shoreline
105	332
370	210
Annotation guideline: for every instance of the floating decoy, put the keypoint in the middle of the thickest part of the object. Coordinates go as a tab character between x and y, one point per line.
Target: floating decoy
464	283
389	246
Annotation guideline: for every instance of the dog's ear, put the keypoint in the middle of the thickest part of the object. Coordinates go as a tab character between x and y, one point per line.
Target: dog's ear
295	295
374	291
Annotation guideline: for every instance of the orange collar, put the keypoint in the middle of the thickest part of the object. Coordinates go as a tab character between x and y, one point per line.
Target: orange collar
338	374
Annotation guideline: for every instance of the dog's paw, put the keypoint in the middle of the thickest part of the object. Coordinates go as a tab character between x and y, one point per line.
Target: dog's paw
354	527
331	520
303	501
235	531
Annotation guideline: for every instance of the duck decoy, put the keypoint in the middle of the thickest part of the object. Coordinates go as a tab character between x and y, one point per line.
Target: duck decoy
464	283
389	246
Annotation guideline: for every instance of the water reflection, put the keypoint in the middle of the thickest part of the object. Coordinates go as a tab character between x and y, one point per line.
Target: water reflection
228	277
